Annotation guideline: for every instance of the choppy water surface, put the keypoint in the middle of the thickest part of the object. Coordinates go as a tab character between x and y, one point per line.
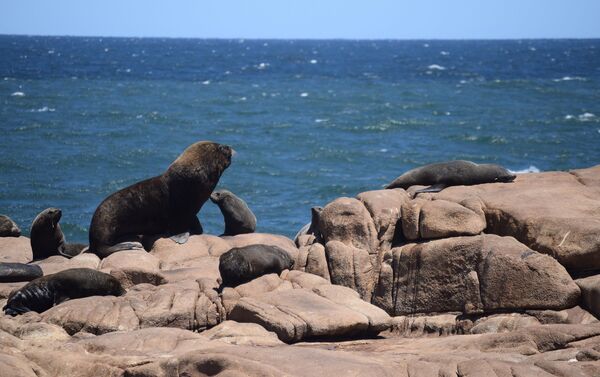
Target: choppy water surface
310	120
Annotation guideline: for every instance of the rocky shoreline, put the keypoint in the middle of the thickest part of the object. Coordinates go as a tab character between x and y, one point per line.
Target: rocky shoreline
486	280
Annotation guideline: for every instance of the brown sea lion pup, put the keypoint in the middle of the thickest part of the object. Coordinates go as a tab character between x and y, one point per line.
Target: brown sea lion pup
242	264
166	204
47	238
238	217
43	293
8	228
452	173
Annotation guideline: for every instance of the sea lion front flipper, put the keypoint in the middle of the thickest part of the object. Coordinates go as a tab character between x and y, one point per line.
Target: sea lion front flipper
433	188
131	245
181	238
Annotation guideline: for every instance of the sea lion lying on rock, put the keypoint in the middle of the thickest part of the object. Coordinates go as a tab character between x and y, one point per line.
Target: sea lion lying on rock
47	238
239	219
242	264
8	228
166	204
452	173
13	272
43	293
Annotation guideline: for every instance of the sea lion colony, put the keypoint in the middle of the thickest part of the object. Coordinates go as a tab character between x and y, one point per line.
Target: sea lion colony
167	205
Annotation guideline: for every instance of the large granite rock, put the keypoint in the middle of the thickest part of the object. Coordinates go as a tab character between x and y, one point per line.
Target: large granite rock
298	306
430	219
350	267
348	221
15	250
557	213
57	263
590	293
476	274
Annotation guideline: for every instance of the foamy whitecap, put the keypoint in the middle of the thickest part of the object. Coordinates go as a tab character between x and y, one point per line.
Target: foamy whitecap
313	61
569	117
207	82
445	53
18	94
321	120
436	67
43	110
586	117
530	169
569	78
262	66
304	94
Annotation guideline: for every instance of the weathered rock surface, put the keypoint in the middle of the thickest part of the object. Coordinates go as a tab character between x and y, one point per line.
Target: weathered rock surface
347	220
57	263
472	274
590	293
557	213
350	267
15	249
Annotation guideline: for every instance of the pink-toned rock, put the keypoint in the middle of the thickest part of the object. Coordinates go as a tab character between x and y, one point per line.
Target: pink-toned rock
128	277
441	219
15	250
350	267
348	221
130	259
250	334
385	207
590	293
6	288
529	210
57	263
472	275
193	253
316	261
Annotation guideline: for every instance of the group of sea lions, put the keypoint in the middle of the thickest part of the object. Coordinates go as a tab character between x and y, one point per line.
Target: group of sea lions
168	205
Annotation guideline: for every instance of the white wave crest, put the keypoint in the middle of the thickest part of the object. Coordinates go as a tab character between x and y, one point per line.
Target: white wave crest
313	61
43	110
436	67
530	169
18	94
570	78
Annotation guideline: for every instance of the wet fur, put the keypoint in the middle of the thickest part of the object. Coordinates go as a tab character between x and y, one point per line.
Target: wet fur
238	217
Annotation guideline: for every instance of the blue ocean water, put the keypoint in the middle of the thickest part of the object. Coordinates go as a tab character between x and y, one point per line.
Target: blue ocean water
310	120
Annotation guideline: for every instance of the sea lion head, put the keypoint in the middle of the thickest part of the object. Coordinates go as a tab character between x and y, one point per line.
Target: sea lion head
204	160
48	219
8	228
219	196
497	173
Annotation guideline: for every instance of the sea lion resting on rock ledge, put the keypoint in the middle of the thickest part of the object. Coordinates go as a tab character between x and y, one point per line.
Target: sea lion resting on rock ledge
8	228
14	272
167	203
242	264
43	293
452	173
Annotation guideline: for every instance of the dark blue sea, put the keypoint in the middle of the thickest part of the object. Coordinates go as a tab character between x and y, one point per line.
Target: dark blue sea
310	120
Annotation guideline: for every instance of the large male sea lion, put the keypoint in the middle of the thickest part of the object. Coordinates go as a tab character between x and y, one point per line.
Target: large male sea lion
43	293
242	264
239	219
47	238
452	173
166	204
8	228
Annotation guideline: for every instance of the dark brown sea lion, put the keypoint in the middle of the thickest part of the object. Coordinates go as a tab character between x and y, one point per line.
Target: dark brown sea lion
12	272
166	204
313	226
242	264
8	228
239	219
452	173
47	238
43	293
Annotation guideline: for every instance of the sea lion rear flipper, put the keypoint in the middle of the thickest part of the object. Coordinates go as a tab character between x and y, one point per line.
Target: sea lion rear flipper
181	238
433	188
